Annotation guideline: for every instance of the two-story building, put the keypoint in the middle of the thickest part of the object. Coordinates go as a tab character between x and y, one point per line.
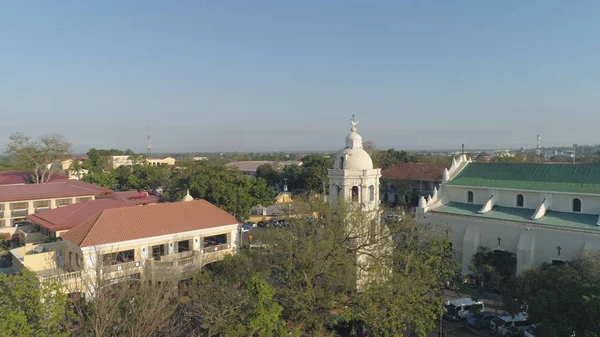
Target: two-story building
19	201
541	213
407	182
152	242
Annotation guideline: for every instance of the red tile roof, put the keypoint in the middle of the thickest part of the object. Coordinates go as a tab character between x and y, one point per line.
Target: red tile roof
252	165
67	217
129	197
131	223
13	177
55	189
415	171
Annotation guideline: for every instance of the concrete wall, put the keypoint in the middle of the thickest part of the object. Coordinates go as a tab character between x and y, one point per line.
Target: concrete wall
561	202
540	240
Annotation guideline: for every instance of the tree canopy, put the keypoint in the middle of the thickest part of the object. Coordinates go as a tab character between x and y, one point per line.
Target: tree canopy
563	299
220	185
38	156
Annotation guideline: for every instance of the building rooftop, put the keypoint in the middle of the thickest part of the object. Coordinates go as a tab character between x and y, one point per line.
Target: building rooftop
583	178
523	215
13	177
133	198
131	223
67	217
55	189
415	171
252	165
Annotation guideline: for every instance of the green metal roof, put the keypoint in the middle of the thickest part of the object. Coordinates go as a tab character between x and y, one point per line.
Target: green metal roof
523	215
584	178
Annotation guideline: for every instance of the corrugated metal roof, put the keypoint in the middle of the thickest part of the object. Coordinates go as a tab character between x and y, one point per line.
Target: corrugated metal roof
56	189
540	177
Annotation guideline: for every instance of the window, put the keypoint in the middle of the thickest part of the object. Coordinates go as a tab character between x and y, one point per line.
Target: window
63	202
338	190
19	205
520	200
576	205
41	204
470	197
342	163
158	251
354	193
86	199
183	246
372	193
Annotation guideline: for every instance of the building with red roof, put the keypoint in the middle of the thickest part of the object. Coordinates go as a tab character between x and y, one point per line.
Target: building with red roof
19	201
409	181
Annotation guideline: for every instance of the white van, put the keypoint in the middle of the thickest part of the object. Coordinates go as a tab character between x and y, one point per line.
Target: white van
510	325
461	308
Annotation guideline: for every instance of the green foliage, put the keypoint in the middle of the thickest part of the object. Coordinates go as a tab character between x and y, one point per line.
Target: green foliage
38	156
564	299
105	179
494	265
97	161
29	308
222	186
388	158
270	173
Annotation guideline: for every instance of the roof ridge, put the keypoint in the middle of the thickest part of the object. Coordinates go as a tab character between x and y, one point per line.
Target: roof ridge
81	205
96	218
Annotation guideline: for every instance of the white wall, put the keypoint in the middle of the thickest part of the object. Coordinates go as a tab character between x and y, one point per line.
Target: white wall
546	238
561	202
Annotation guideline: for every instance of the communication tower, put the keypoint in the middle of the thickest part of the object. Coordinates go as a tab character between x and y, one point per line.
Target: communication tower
149	148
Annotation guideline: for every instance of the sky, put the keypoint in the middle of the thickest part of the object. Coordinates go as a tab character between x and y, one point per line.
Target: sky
288	75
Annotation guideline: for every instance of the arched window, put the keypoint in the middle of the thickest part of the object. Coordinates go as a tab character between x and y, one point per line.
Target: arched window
342	163
372	193
354	193
470	197
520	200
577	205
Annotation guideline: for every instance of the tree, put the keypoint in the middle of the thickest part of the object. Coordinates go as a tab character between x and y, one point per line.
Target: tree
30	308
388	158
96	161
104	179
38	157
315	171
227	188
564	299
270	173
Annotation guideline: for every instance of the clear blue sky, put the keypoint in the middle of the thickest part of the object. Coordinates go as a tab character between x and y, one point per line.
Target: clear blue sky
288	75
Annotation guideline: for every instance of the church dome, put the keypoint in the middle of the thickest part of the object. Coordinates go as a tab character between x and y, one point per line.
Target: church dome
353	157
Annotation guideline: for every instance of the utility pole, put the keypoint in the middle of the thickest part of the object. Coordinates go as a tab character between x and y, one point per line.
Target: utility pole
574	149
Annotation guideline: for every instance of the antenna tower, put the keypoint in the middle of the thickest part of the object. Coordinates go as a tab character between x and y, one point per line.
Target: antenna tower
149	148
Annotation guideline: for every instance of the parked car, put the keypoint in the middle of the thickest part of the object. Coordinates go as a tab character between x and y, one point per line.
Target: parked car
246	227
251	223
510	325
6	261
461	308
530	332
481	320
262	224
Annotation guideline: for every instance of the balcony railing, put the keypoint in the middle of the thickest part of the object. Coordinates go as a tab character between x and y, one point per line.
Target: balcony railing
122	267
63	277
42	209
216	248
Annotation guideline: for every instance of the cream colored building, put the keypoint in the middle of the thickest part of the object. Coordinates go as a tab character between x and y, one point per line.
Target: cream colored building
18	201
116	161
540	212
155	242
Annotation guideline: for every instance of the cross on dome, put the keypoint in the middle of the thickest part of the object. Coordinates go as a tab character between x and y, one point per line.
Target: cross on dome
354	123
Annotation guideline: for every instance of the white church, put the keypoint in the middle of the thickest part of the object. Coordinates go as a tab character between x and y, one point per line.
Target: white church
544	213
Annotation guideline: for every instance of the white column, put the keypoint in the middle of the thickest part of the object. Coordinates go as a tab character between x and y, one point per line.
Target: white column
30	207
52	203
